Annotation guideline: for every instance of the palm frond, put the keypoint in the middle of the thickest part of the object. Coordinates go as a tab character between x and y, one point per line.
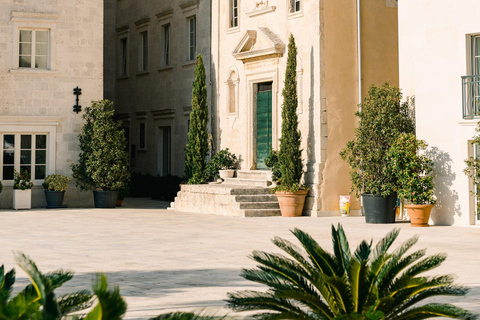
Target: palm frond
435	310
189	316
59	277
74	302
6	285
362	253
359	278
112	305
341	248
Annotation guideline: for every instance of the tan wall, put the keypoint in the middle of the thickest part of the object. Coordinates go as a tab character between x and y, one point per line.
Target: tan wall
379	64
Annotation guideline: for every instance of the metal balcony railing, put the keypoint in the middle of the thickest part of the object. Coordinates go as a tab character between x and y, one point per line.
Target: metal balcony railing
471	97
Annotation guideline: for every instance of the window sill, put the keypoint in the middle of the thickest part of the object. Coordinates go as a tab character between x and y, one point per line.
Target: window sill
233	30
189	63
468	123
142	73
294	15
165	68
32	71
142	150
122	77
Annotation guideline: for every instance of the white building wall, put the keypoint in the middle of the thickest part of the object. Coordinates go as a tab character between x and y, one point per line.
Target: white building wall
433	42
33	100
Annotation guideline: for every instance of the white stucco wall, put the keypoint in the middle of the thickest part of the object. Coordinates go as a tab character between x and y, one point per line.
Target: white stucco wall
433	41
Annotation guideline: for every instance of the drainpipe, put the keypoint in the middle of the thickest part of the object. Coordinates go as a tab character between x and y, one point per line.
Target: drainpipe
359	63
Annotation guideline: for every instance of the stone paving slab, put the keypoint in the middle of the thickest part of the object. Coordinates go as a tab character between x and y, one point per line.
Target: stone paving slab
166	260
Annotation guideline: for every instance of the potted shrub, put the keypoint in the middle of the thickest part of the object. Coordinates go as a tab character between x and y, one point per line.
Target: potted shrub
54	187
290	193
382	118
122	194
223	165
271	162
414	173
103	162
22	190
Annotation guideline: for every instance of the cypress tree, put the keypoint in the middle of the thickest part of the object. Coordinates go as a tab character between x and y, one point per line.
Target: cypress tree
290	155
197	145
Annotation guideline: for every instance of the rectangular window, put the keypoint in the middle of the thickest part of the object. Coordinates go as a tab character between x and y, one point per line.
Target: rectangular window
233	13
471	83
123	57
143	63
142	144
23	152
294	5
191	38
164	151
34	49
166	45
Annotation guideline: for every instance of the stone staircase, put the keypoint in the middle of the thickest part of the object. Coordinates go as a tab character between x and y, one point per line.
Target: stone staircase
247	195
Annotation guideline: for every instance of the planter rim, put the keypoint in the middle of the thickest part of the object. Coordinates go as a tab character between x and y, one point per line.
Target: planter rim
289	193
418	205
374	195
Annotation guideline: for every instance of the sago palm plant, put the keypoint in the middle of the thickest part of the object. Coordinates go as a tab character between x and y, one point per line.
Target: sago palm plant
369	283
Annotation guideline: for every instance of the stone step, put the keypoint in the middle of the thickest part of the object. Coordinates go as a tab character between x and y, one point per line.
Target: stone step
262	212
247	182
254	174
250	191
259	205
257	198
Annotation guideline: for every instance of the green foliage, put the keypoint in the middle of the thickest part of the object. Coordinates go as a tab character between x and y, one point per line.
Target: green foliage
188	316
123	193
38	300
197	145
103	162
473	167
414	172
111	305
222	160
56	182
290	154
21	180
271	162
369	283
1	187
382	119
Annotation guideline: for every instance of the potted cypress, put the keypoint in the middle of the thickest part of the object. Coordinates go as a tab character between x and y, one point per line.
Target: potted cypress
22	190
382	118
103	163
414	172
290	192
54	187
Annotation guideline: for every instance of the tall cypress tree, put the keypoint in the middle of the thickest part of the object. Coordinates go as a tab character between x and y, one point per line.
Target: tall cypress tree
197	145
290	155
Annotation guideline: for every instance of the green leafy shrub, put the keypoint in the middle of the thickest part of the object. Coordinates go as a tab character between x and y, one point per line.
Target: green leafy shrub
473	168
290	154
21	180
104	160
197	146
222	160
381	120
414	172
55	182
271	162
369	283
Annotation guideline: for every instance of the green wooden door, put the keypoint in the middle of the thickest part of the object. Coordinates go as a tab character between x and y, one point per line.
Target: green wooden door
264	123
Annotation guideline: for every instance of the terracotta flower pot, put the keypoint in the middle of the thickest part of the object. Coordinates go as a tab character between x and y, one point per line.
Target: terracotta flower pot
419	214
291	203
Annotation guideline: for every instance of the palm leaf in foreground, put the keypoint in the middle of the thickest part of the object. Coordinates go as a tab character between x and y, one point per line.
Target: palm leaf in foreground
371	283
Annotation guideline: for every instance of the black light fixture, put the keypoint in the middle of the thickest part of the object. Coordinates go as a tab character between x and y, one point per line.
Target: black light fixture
77	108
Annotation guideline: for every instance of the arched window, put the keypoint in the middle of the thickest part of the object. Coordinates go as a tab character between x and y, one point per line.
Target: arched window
232	91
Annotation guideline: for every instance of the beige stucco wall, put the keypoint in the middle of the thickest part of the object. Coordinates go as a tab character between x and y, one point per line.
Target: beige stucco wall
433	46
161	96
45	98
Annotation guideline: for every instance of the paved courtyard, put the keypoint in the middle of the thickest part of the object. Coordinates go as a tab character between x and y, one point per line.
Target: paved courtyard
167	260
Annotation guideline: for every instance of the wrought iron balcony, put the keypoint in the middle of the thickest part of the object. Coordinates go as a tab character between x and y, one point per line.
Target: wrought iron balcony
471	97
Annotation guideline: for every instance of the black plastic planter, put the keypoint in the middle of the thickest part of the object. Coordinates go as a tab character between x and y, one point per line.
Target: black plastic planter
379	209
105	199
54	198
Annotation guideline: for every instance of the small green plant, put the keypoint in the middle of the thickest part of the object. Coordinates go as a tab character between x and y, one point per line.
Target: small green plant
55	182
21	180
222	160
104	160
197	146
473	168
381	120
290	154
414	172
369	283
271	162
123	193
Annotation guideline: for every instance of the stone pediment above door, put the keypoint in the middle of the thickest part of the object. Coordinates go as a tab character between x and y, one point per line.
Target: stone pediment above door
259	45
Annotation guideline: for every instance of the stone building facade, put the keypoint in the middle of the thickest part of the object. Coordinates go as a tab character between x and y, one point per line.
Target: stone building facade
339	56
155	45
47	48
